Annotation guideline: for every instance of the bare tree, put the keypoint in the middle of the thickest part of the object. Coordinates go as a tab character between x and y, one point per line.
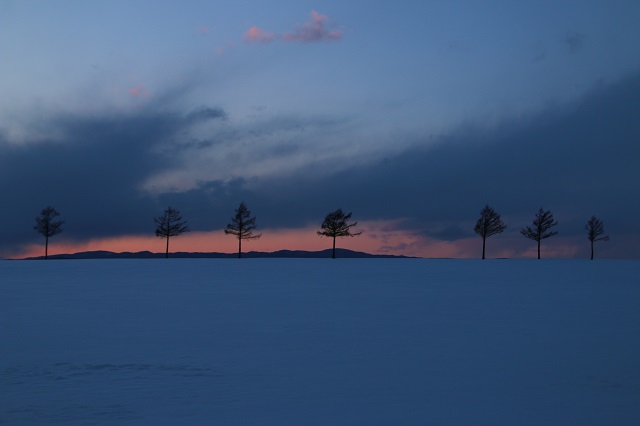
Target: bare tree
242	226
542	223
488	224
170	224
595	229
336	224
48	226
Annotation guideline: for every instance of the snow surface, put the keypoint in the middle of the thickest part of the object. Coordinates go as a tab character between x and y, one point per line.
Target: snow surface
320	342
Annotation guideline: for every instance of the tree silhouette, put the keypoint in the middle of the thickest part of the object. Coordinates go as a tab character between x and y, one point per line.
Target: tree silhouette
595	229
47	226
488	224
242	226
336	224
542	223
170	224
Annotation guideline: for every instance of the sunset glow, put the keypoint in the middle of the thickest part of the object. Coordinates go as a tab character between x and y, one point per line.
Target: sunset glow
378	237
375	239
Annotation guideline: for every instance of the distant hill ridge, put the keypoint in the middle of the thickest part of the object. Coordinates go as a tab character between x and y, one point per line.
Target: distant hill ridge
286	254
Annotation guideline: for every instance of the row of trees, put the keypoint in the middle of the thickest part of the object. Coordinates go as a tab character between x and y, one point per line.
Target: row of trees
335	224
242	226
171	224
490	224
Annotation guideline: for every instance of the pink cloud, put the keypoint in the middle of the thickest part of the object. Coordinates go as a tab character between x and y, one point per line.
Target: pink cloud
257	35
314	30
318	28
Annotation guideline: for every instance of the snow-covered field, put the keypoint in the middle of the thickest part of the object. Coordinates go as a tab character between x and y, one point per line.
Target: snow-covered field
320	342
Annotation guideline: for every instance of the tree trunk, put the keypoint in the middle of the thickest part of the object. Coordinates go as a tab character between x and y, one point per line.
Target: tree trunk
538	249
166	252
333	256
484	239
591	250
239	247
46	247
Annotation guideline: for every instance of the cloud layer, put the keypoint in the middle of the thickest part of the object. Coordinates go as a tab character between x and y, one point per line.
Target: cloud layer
318	28
109	175
257	35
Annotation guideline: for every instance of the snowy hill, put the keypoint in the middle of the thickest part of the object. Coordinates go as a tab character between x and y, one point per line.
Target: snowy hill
318	342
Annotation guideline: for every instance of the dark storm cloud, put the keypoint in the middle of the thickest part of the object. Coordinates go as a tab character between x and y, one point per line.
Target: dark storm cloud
93	169
91	172
576	160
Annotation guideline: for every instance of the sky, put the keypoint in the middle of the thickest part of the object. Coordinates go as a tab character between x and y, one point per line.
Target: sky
411	115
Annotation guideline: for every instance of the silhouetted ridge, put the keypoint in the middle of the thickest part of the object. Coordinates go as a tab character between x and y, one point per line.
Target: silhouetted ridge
285	254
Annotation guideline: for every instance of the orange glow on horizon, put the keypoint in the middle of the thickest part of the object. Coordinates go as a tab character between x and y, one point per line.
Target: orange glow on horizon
379	237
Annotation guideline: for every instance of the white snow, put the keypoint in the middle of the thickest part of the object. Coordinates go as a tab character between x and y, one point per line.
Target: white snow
320	342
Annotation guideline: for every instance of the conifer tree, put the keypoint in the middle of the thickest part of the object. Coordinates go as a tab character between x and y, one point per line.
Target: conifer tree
242	226
48	226
170	224
488	224
336	224
595	229
542	223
